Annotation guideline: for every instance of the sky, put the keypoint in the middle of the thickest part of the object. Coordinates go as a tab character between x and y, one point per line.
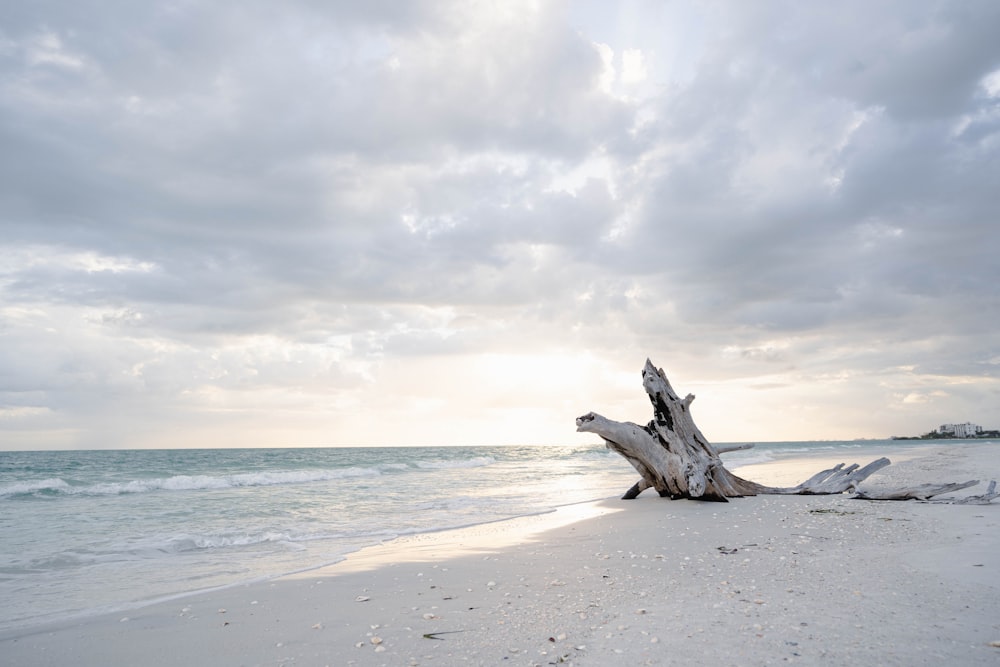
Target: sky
249	224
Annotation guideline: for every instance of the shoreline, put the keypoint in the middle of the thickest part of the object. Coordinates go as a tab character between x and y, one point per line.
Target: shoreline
760	580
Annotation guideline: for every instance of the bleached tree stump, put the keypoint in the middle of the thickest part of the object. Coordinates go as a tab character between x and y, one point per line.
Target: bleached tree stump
673	457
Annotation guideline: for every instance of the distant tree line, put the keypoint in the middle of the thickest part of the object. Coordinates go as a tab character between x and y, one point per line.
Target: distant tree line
937	435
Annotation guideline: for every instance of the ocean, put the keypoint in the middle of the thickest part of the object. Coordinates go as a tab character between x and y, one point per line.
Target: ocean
86	532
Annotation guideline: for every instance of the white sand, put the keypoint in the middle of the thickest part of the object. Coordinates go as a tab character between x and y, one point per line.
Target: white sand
812	580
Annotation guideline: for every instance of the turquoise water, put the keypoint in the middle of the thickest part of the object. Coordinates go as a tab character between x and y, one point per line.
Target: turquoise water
90	531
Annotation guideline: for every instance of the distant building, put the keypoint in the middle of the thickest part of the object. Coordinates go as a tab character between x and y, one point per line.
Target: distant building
966	430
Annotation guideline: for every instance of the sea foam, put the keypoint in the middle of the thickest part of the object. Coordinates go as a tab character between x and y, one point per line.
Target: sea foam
183	482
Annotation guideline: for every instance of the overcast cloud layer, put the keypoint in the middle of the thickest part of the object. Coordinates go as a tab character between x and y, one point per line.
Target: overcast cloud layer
385	223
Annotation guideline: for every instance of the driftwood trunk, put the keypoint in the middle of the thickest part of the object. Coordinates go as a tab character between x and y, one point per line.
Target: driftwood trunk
673	457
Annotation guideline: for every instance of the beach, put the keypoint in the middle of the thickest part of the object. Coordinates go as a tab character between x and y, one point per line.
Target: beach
765	580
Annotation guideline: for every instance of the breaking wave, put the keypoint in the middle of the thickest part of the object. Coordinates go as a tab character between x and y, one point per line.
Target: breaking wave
55	487
475	462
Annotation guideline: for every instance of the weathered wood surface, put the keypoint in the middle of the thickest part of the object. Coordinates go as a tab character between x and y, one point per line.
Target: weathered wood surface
928	491
673	457
921	492
983	498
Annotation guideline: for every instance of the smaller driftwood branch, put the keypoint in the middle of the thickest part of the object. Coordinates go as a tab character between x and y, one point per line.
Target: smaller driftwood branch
982	499
836	479
924	492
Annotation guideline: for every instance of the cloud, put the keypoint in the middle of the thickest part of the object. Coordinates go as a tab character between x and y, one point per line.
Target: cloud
344	223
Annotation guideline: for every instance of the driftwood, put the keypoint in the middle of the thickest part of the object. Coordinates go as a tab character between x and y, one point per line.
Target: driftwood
921	492
928	491
982	499
673	457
